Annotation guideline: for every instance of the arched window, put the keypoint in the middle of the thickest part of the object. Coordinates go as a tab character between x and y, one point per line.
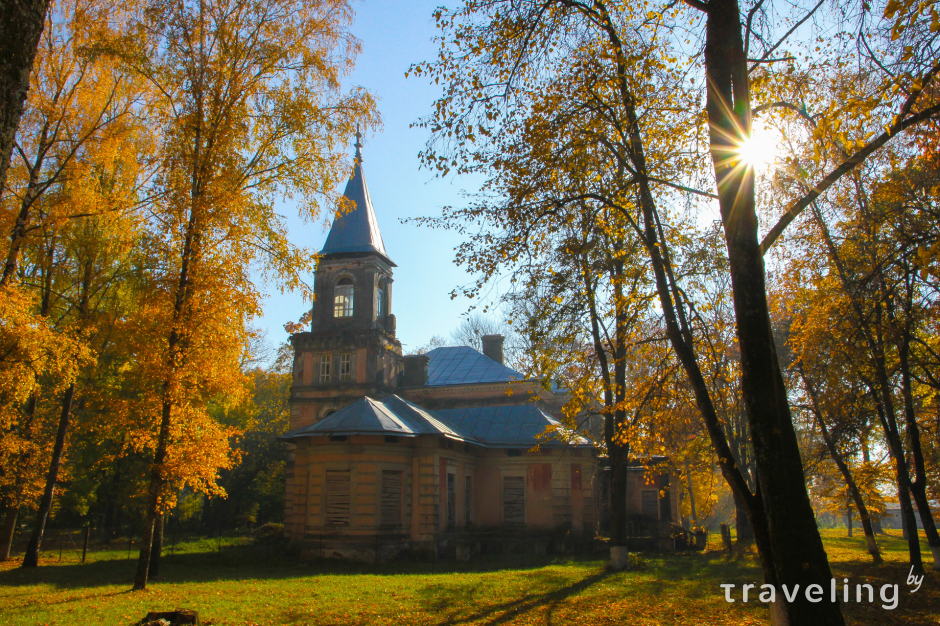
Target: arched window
343	298
380	301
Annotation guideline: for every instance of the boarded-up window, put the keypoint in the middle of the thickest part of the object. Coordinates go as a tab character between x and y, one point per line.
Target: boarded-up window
451	501
576	476
337	498
540	476
391	499
514	499
468	499
649	504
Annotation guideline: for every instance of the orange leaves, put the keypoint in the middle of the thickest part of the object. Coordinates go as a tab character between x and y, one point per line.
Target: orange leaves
29	349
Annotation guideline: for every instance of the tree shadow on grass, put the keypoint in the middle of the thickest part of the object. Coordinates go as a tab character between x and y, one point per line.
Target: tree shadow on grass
253	562
440	598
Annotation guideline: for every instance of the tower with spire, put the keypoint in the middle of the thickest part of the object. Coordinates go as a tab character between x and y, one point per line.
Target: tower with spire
351	350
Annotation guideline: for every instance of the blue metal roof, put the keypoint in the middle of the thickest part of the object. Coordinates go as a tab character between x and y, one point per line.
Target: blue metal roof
463	366
391	416
505	426
356	230
517	425
423	421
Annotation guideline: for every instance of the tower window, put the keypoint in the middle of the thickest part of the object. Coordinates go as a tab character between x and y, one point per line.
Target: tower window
345	368
326	361
380	302
343	298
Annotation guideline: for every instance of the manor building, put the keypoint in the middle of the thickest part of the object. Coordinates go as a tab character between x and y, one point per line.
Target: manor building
447	452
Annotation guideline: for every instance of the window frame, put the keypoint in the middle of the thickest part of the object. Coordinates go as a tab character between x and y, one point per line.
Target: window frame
325	369
344	292
380	298
345	367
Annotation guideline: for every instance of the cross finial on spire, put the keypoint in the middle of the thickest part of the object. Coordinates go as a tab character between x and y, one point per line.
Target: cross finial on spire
358	145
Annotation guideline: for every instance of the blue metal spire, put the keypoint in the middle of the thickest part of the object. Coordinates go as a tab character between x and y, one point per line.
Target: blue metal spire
356	230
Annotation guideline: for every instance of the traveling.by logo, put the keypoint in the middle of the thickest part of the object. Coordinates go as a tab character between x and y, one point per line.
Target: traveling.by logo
815	593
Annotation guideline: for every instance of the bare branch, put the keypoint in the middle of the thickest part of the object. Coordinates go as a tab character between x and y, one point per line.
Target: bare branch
777	60
698	4
750	20
786	105
846	166
788	33
682	187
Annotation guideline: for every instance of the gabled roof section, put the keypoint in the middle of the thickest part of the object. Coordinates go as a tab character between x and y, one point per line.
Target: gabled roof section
391	416
424	422
510	426
465	366
356	230
362	417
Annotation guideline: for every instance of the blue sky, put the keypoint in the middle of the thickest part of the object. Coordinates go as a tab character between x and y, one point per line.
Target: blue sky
394	35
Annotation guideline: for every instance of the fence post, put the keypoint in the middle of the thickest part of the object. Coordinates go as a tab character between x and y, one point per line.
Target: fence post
726	536
85	543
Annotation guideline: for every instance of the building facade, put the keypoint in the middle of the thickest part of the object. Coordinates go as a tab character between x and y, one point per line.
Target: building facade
450	452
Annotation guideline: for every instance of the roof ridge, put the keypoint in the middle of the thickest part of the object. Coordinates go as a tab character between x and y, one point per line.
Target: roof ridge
378	404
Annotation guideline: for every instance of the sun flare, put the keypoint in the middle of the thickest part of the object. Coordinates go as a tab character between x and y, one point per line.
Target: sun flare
760	149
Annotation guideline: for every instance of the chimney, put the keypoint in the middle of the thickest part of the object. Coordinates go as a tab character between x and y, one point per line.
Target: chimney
493	347
416	371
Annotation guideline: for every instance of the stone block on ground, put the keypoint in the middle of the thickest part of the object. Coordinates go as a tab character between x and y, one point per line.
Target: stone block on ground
179	617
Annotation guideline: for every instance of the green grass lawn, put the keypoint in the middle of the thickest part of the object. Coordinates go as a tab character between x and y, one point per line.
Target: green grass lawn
247	585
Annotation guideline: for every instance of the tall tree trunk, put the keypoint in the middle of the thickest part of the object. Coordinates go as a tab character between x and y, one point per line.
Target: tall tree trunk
875	522
175	348
8	530
688	476
154	569
881	390
618	504
798	552
885	406
21	24
803	560
31	558
614	385
919	484
742	525
839	460
155	492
